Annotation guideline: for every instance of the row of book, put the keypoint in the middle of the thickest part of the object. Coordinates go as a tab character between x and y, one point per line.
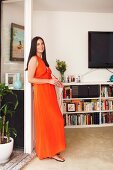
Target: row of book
81	119
107	105
81	105
67	92
107	91
107	117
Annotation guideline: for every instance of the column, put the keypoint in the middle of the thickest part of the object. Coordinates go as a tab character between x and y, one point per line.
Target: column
28	118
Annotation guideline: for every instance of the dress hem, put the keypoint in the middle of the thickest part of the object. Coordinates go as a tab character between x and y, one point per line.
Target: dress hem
45	157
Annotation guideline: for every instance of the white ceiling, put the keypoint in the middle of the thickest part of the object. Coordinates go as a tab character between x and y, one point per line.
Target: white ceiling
99	6
74	5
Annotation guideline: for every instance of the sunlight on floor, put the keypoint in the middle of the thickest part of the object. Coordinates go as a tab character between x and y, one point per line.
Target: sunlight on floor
87	149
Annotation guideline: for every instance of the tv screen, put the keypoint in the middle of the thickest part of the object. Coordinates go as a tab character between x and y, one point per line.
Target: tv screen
100	49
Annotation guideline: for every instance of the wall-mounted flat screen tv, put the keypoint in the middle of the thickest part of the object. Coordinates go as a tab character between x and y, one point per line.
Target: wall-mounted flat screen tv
100	49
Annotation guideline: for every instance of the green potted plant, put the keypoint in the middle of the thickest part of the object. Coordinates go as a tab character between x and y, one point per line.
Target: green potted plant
61	66
7	109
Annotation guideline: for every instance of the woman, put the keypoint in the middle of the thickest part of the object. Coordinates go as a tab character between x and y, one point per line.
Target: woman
49	123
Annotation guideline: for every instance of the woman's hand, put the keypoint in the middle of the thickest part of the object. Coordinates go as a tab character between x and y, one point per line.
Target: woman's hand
59	84
56	82
53	81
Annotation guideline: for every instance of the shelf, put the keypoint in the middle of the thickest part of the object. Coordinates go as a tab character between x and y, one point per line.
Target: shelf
89	126
92	100
95	111
14	63
97	98
105	98
102	111
88	83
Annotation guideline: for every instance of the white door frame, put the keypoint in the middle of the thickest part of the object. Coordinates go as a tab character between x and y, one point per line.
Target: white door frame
28	118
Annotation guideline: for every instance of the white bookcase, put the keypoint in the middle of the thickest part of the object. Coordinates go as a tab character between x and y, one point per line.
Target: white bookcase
93	111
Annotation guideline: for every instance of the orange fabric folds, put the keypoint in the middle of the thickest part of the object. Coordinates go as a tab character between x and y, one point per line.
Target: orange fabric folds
49	123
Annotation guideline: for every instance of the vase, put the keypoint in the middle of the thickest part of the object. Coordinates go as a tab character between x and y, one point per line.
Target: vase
6	149
17	84
111	78
62	77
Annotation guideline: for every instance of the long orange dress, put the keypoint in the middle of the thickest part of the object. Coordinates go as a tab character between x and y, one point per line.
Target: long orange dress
49	123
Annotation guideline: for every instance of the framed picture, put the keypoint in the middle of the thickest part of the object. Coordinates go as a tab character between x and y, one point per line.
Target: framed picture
17	43
71	107
10	79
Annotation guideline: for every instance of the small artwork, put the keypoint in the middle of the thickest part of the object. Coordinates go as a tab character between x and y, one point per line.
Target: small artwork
17	43
10	79
71	107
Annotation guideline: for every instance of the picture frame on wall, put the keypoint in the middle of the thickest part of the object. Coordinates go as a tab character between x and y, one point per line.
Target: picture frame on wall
71	107
17	42
10	78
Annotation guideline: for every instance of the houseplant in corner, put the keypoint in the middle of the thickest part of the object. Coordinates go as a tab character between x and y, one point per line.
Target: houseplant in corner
7	108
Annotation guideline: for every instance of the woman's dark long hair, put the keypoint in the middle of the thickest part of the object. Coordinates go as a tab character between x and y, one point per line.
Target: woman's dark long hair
33	51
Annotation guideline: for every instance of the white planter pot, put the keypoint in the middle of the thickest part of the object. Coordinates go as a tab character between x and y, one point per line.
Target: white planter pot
6	150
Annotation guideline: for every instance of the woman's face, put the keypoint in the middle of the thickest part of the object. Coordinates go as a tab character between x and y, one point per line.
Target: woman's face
40	47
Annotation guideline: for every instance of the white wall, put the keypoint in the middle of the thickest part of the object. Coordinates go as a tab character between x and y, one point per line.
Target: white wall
66	38
11	13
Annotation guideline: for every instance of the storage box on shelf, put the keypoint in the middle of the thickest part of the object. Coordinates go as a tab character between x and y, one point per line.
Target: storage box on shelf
88	104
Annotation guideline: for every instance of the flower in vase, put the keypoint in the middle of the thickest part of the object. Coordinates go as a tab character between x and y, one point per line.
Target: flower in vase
61	67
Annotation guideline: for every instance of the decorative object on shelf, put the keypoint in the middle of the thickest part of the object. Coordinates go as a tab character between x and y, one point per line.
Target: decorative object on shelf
111	78
79	80
17	43
17	84
70	78
71	107
7	109
61	67
10	79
